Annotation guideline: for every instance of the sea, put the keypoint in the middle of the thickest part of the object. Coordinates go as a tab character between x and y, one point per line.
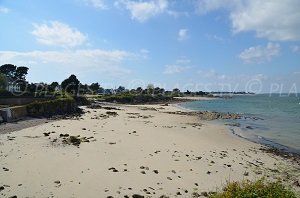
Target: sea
276	123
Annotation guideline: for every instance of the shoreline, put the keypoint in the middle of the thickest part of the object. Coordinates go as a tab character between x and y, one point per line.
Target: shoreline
277	147
131	149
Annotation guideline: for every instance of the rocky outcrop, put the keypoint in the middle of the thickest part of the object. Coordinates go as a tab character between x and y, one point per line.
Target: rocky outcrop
206	115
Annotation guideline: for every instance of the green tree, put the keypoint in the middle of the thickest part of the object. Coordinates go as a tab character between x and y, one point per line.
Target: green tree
150	88
21	73
94	86
52	86
120	89
3	82
139	90
71	85
8	70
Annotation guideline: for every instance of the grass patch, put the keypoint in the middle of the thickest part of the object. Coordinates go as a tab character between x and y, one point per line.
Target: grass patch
255	189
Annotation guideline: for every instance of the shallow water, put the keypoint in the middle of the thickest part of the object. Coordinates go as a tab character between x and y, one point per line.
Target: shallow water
280	117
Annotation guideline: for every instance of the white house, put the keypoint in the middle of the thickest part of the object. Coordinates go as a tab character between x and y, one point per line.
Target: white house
13	87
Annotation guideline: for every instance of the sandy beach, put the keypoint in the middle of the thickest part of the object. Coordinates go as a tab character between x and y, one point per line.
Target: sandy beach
126	150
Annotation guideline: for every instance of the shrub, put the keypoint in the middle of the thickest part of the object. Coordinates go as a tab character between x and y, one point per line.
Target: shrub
255	189
49	108
81	100
136	98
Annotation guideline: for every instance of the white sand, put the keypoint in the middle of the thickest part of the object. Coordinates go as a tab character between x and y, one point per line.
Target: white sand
164	142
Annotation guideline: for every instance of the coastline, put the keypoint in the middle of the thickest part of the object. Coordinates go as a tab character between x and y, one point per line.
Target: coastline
276	147
165	154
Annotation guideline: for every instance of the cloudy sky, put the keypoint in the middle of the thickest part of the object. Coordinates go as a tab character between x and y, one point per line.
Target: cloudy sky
229	45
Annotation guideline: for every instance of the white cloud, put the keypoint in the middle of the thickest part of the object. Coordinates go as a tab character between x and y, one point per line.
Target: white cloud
143	10
205	6
180	66
259	54
272	19
177	14
91	60
58	34
296	49
182	34
215	37
4	10
173	69
100	4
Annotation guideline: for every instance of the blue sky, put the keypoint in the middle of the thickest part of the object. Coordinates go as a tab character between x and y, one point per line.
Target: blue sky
228	45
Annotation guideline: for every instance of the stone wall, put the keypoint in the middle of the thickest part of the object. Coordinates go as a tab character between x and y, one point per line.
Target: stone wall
13	113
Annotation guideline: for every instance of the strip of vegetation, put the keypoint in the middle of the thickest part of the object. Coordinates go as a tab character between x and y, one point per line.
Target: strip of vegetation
136	98
252	189
60	106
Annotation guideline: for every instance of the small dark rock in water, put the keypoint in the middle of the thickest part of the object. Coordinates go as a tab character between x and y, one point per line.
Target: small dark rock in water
137	196
155	171
208	172
1	188
246	174
178	193
143	172
234	124
15	196
83	129
249	127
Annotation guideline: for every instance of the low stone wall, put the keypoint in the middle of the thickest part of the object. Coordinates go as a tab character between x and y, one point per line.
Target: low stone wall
13	113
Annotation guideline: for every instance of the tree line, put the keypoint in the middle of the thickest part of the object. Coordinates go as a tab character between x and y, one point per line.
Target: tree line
10	73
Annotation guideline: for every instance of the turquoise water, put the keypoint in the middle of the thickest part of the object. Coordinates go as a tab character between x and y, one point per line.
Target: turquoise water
280	117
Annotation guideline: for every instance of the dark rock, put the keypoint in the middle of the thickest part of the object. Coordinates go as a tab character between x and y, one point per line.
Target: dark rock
205	194
5	169
137	196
